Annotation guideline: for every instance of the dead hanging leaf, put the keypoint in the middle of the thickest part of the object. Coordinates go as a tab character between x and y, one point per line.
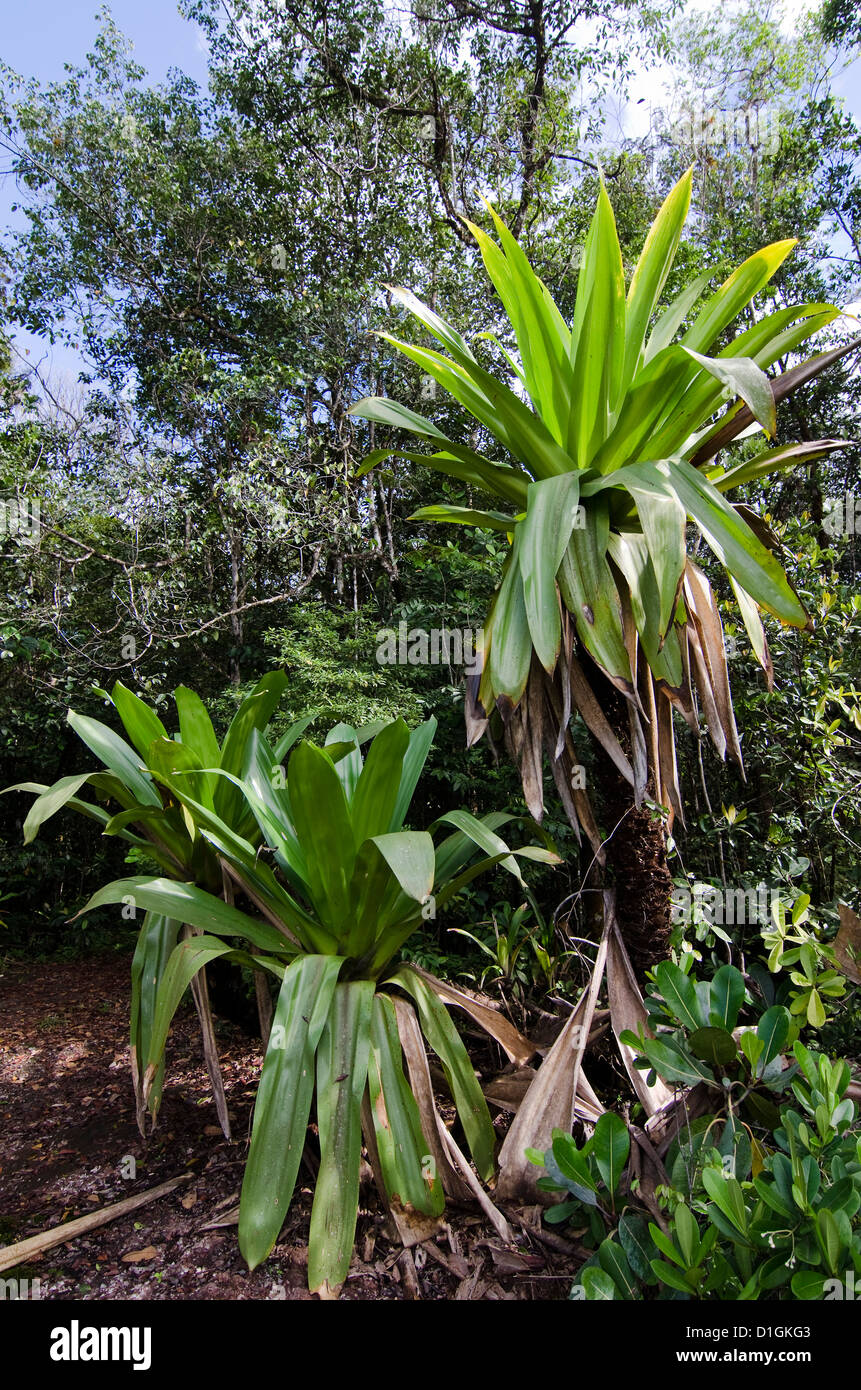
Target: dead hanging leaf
200	995
627	1010
550	1103
134	1257
847	945
515	1044
506	1091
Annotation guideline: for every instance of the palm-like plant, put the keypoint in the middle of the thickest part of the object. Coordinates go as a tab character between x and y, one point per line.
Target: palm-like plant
157	825
348	887
608	439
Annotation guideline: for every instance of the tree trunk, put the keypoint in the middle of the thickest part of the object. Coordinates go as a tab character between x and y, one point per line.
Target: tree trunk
636	851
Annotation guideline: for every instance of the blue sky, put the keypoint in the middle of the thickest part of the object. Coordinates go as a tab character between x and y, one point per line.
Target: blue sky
38	39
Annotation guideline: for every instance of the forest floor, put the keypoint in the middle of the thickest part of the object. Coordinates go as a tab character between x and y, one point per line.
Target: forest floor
68	1133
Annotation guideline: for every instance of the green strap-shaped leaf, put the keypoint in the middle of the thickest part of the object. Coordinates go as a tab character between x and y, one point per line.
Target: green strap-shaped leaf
650	274
481	833
675	314
413	766
156	940
195	727
184	962
663	653
597	336
324	830
283	1102
460	1075
377	789
551	514
737	291
141	723
735	544
542	335
591	597
662	517
116	754
465	516
51	800
187	903
510	653
516	427
454	851
406	1160
342	1075
254	713
770	460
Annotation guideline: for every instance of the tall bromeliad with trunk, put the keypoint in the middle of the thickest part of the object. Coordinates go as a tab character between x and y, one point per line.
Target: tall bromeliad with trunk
605	445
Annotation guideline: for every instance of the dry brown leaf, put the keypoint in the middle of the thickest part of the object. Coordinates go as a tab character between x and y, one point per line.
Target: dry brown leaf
133	1257
627	1010
420	1085
518	1048
550	1103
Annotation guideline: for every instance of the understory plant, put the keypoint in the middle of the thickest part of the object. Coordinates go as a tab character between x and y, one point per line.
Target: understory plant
754	1195
157	827
337	884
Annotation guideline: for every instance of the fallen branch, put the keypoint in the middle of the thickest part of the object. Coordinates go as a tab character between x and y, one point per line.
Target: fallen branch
11	1255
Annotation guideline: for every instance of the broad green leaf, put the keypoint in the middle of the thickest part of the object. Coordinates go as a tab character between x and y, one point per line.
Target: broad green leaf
679	991
186	903
408	1169
283	1103
141	723
727	1195
726	997
342	1073
773	1029
637	1245
116	754
611	1145
651	271
446	1042
598	1286
614	1262
551	515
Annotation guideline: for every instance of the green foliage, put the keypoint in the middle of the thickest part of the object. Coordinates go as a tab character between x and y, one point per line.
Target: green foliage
346	887
763	1199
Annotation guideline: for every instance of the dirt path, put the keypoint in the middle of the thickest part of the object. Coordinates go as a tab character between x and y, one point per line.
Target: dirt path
69	1144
